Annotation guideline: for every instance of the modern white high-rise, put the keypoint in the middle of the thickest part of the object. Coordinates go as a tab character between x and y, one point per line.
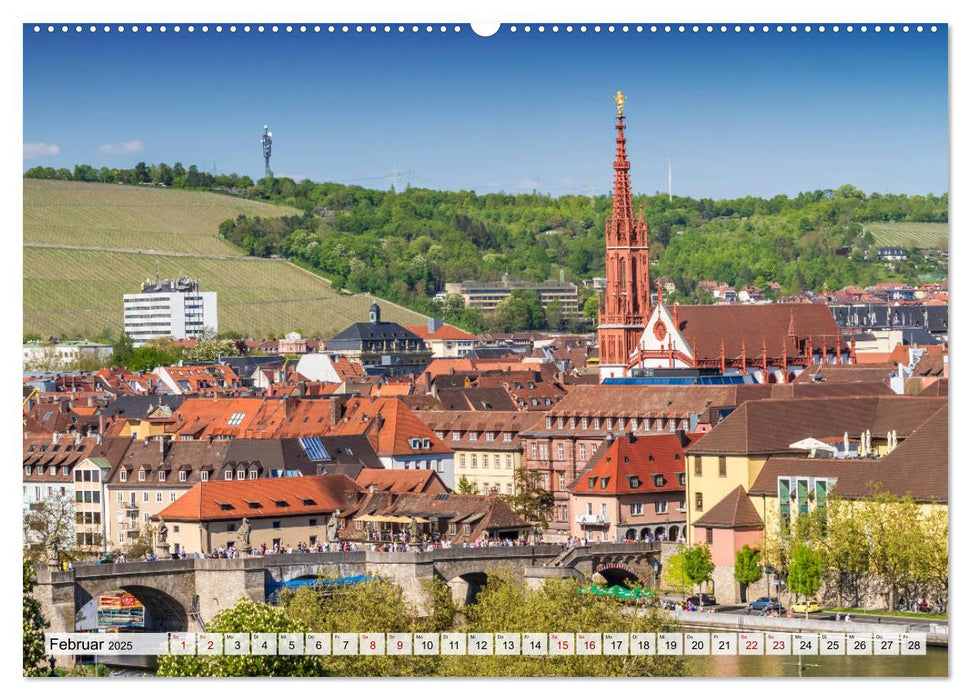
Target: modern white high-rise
169	309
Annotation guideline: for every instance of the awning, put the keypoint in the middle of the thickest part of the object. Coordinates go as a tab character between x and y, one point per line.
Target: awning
388	519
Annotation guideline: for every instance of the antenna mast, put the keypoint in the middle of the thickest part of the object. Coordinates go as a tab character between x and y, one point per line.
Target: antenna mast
670	195
266	141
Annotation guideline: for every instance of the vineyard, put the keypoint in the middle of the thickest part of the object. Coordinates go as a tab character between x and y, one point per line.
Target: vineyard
71	292
123	216
907	234
79	292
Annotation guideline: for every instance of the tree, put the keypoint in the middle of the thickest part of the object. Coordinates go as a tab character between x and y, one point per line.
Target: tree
377	605
748	569
591	308
673	574
503	604
34	624
50	523
122	351
698	566
804	572
532	502
211	350
554	315
466	486
246	616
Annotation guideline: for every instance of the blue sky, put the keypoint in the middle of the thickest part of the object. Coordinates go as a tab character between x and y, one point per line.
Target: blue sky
741	114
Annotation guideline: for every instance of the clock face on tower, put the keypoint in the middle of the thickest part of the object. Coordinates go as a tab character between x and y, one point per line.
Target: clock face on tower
660	330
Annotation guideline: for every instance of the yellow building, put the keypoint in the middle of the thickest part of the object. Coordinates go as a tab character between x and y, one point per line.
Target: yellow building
488	449
734	453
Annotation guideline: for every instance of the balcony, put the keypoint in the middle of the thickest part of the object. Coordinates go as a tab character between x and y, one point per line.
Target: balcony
590	519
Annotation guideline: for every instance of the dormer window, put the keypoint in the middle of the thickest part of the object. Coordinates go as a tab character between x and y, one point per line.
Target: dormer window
123	475
596	424
603	482
228	475
162	474
573	423
203	476
281	504
490	437
584	423
549	423
681	480
633	481
426	443
309	502
40	471
473	436
592	482
183	475
241	475
559	422
30	470
225	506
658	480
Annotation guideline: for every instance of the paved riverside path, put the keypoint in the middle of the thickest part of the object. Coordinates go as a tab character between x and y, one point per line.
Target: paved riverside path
936	631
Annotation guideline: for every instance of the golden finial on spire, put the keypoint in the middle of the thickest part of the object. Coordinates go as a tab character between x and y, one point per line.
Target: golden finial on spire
620	99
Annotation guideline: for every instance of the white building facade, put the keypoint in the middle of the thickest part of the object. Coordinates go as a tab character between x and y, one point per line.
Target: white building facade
170	309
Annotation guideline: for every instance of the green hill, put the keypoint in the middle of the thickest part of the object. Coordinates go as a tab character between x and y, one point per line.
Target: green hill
70	289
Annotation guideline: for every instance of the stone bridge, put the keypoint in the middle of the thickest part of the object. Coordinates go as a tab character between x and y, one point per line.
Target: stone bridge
181	595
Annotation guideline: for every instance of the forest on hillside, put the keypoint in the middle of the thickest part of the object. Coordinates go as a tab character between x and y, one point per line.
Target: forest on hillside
404	246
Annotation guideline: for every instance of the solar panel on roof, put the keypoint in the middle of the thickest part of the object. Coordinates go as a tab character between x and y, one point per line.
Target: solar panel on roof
315	449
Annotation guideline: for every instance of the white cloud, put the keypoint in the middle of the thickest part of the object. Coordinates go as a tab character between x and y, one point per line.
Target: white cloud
38	150
122	149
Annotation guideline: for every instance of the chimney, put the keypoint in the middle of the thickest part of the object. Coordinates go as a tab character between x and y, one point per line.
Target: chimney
434	324
101	424
682	437
65	405
338	405
288	406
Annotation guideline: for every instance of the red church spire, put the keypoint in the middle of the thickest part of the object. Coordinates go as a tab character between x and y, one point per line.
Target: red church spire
627	297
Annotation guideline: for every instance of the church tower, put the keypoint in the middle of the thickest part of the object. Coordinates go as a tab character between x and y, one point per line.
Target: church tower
626	305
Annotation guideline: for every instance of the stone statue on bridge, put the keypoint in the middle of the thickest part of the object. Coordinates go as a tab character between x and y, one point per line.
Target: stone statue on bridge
332	528
242	537
160	539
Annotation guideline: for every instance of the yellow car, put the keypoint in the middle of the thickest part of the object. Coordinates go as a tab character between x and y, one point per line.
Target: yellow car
807	606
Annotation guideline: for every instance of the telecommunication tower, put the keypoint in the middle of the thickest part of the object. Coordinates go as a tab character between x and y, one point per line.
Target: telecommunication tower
266	140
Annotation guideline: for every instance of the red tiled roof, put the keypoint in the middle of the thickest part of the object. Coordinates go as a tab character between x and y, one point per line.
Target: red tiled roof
445	332
644	457
401	480
735	511
231	500
706	327
389	425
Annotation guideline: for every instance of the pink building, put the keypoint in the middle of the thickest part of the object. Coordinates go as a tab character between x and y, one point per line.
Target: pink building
730	525
635	490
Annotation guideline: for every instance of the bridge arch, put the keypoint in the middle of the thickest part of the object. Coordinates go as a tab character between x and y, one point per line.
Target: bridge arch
163	611
618	573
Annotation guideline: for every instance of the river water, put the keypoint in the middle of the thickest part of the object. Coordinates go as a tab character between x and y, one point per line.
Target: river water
933	664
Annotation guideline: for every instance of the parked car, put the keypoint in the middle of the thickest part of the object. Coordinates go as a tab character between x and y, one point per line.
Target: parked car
702	599
806	606
765	603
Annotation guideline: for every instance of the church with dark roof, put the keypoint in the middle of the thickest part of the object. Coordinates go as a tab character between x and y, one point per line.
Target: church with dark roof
382	347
